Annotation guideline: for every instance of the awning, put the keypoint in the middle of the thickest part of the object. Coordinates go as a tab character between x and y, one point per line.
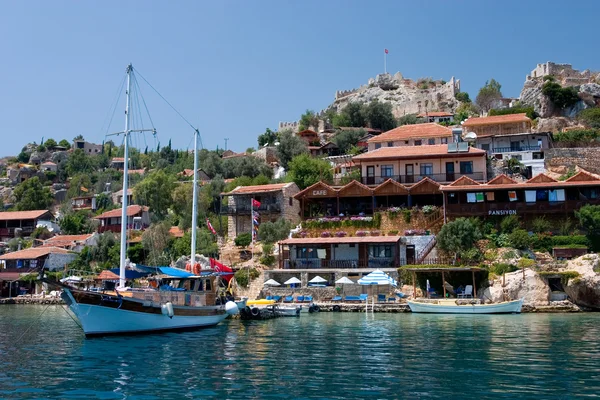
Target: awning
175	272
377	277
10	276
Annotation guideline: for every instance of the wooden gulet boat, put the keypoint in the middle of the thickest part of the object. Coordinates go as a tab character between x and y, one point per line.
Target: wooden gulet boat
184	301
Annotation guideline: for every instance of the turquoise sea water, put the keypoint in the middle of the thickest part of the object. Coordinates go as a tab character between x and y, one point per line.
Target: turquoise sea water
329	355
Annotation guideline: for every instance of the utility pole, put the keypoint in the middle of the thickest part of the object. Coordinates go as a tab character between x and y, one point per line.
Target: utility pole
226	139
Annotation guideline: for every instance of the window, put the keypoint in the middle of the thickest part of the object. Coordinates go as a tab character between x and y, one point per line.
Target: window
377	145
430	141
306	252
485	147
390	144
538	156
291	201
380	251
466	167
444	140
387	170
417	142
406	142
426	169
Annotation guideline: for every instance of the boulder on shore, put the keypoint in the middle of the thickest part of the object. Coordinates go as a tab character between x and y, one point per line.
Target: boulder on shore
533	288
585	289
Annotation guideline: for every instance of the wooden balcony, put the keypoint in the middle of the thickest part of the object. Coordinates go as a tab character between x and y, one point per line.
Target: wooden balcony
410	179
515	208
245	209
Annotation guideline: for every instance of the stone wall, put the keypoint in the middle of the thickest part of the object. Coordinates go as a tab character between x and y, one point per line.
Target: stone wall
586	158
293	126
565	73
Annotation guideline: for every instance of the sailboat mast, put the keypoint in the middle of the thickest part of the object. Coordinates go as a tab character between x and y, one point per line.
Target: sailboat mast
195	200
125	183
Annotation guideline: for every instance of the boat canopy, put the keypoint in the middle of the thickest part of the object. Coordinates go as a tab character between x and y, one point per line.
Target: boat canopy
175	272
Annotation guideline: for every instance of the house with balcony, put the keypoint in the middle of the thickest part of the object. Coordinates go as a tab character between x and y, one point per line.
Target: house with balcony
84	202
23	221
437	116
342	252
412	135
509	136
117	197
276	201
409	164
138	219
502	196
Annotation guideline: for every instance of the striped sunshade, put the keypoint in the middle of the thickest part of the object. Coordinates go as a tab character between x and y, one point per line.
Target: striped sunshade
377	277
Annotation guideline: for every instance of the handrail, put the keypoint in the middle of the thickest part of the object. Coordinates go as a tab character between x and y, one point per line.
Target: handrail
423	253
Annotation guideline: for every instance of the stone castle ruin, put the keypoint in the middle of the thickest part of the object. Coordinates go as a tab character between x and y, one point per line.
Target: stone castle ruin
564	74
406	95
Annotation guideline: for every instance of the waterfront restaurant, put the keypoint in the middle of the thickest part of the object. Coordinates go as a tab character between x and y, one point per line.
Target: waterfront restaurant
503	196
356	199
379	252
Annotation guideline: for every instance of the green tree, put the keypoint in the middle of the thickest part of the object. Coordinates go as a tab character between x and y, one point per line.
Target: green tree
271	232
354	115
458	236
182	204
463	97
408	119
75	223
290	146
155	191
78	182
243	239
23	157
589	219
305	171
488	95
79	163
510	224
205	244
245	166
590	117
269	137
346	139
464	111
49	143
32	195
307	120
64	143
561	97
156	241
380	116
519	239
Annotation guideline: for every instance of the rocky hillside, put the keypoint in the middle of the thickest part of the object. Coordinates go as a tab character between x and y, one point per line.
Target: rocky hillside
552	118
405	95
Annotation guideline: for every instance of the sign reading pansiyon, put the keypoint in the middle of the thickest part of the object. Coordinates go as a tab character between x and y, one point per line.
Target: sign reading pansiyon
502	212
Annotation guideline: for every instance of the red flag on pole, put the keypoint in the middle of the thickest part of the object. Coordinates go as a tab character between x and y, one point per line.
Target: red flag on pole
386	51
255	203
210	227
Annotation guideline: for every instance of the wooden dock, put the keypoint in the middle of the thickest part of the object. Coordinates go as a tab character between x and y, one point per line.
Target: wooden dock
362	307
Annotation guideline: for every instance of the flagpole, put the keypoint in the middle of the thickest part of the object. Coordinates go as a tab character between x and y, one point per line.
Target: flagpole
384	62
251	234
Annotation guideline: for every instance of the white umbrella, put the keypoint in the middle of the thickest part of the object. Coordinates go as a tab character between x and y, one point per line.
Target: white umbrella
317	279
272	282
344	281
292	281
377	277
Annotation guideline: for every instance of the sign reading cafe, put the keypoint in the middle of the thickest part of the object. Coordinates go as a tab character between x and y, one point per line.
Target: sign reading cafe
319	192
502	212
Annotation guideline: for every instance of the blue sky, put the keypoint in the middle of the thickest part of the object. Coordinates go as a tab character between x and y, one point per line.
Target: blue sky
234	68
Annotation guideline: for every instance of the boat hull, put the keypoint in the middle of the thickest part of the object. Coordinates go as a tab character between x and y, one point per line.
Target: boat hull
507	307
130	317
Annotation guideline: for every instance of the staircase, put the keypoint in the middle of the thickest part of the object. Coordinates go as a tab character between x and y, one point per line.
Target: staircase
426	250
253	290
434	219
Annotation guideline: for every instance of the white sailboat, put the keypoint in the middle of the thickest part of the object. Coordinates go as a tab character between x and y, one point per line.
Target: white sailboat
190	303
453	306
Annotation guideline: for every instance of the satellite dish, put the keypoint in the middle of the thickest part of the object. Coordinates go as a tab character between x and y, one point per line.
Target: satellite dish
471	136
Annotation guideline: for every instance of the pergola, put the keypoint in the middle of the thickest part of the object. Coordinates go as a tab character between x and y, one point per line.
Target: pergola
443	271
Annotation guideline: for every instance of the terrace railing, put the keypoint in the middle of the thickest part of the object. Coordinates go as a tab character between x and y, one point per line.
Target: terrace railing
410	179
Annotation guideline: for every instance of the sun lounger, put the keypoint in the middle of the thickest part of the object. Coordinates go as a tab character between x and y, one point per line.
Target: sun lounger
362	297
381	298
277	298
308	299
288	299
337	298
269	297
391	299
299	299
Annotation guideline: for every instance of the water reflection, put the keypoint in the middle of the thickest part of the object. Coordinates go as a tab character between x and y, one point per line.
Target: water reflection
325	356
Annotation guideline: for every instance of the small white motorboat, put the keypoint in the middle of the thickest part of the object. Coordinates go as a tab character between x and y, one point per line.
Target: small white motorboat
286	311
465	306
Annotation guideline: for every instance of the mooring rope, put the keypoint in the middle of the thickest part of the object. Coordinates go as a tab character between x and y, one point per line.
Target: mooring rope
30	325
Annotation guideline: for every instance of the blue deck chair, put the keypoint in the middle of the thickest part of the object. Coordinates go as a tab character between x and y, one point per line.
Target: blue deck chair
299	299
381	298
288	299
337	298
363	297
352	298
269	297
308	299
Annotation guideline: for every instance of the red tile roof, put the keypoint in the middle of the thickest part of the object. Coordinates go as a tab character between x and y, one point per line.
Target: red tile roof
274	187
107	275
175	231
66	240
337	240
16	215
33	253
435	114
417	131
131	211
352	128
497	119
425	151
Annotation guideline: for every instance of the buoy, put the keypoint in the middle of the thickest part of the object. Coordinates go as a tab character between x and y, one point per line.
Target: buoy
167	309
196	269
188	267
231	308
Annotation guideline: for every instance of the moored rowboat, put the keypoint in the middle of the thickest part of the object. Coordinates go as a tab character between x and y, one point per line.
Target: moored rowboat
451	306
